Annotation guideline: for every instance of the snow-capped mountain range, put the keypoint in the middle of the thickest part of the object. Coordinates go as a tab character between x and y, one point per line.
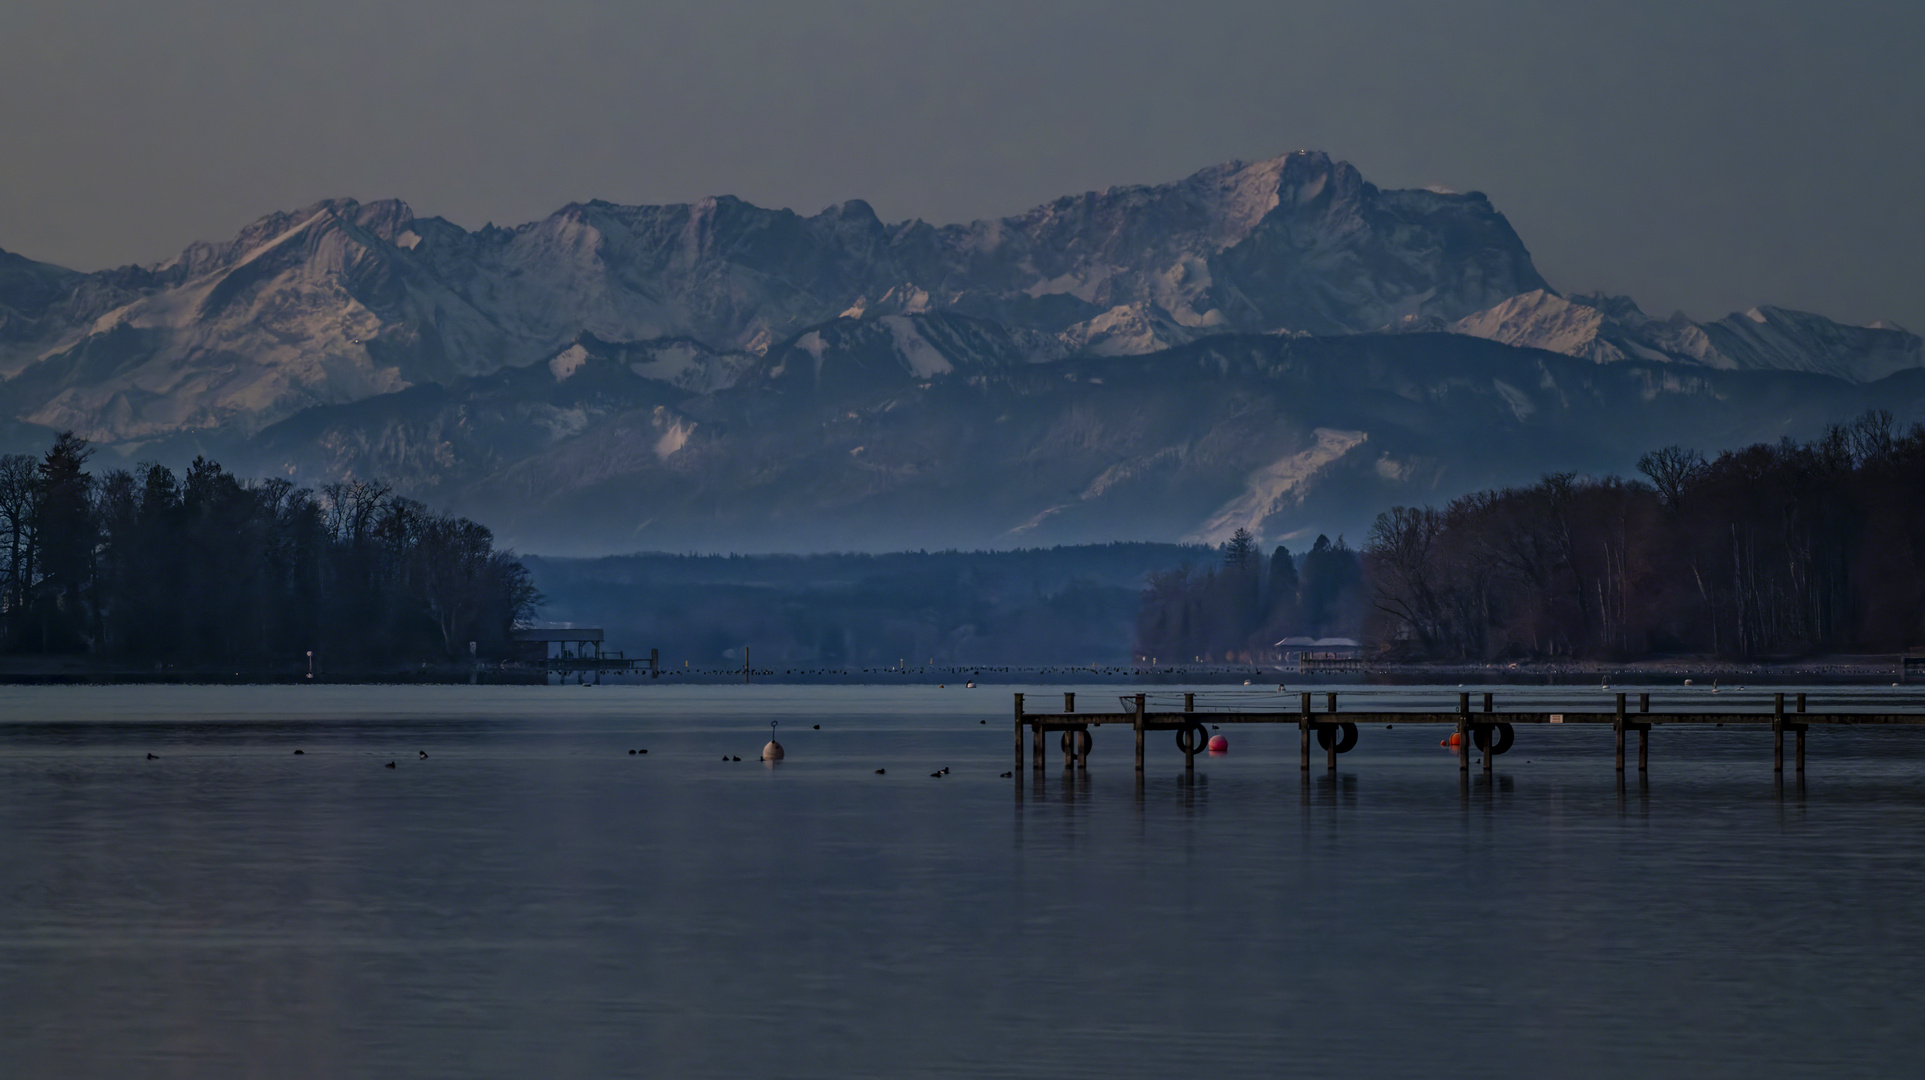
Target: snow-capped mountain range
1612	328
343	300
660	335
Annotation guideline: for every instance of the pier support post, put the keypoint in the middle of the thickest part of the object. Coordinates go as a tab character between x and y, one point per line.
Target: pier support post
1778	733
1644	734
1018	767
1617	724
1303	734
1330	699
1801	738
1139	733
1463	734
1490	736
1081	740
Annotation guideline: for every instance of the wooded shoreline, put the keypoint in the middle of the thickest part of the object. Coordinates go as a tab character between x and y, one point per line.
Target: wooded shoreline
1874	670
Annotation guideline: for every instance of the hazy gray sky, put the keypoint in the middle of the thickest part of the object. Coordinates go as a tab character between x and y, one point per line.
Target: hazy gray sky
1707	155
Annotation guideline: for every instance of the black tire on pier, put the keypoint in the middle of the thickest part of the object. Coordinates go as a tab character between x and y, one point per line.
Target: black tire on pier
1193	739
1345	735
1506	735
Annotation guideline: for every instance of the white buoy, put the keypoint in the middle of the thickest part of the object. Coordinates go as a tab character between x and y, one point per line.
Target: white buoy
773	751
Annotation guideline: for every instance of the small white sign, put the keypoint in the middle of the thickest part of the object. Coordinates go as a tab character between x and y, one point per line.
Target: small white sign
1557	718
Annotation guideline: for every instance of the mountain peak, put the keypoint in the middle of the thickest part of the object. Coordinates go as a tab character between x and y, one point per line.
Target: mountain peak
339	297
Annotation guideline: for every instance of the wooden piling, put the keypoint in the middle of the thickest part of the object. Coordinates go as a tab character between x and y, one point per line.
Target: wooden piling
1336	734
1617	724
1139	733
1019	735
1801	736
1490	735
1303	732
1778	733
1463	733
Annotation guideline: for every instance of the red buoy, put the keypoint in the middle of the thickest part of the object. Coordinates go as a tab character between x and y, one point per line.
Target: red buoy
1219	744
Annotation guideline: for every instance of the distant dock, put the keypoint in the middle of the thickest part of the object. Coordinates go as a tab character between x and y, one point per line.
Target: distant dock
1487	729
578	651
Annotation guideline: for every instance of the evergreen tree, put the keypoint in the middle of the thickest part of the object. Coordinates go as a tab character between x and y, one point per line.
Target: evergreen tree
64	525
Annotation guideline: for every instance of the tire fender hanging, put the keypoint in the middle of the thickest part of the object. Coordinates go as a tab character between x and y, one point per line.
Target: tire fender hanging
1192	739
1506	735
1345	735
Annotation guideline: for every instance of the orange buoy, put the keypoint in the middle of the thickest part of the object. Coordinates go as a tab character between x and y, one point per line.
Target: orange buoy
1454	740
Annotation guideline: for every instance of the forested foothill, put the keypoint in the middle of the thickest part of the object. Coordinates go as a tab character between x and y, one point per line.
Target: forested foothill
145	566
1774	550
1241	609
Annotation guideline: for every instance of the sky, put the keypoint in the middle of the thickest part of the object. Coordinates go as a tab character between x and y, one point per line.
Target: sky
1706	156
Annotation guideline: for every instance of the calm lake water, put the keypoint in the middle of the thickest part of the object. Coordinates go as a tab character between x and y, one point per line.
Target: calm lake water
531	900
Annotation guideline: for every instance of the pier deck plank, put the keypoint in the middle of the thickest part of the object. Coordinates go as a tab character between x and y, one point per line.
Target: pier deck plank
1170	721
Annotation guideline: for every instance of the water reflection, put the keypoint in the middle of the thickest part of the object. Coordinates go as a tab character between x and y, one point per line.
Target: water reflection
532	900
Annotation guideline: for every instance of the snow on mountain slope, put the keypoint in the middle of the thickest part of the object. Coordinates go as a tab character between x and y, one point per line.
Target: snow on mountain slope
1271	491
892	350
1612	329
342	300
44	308
1541	319
1283	435
308	308
683	363
1774	337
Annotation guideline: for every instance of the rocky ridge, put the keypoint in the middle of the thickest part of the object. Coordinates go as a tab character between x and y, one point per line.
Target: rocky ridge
343	300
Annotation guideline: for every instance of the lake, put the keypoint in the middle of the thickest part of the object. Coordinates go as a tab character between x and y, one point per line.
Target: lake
531	900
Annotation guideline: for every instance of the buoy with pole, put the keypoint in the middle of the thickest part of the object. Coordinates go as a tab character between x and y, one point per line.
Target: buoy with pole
773	751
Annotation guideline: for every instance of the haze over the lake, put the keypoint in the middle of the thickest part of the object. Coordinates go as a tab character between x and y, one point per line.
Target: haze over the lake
1707	157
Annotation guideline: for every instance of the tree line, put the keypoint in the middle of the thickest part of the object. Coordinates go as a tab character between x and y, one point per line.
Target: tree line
1239	609
1031	606
146	565
1771	550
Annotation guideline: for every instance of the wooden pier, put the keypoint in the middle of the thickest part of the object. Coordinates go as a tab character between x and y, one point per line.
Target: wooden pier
1484	728
578	651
